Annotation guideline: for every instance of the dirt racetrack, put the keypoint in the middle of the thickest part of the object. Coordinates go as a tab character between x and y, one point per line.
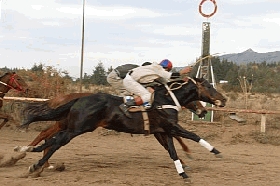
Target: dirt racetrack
119	159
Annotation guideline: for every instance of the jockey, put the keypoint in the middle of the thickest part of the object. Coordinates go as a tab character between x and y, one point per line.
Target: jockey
147	74
115	78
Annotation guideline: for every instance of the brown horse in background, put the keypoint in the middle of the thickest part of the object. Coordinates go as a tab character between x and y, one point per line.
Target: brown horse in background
195	107
8	81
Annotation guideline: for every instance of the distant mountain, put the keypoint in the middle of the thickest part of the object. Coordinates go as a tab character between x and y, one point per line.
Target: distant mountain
252	56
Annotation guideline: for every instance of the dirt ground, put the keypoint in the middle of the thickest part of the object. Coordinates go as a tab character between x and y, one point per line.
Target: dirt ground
119	159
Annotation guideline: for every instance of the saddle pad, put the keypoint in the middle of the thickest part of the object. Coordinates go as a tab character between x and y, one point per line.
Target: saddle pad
145	117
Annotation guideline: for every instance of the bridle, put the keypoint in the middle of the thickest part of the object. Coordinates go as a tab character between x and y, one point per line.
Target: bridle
11	81
178	107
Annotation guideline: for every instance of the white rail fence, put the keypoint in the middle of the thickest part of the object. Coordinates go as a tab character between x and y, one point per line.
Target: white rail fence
24	99
262	112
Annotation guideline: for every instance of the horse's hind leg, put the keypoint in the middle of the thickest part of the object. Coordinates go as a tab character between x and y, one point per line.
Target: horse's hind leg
40	148
52	139
47	134
44	135
36	169
60	139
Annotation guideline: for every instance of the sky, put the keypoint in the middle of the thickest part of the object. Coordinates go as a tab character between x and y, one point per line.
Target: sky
117	32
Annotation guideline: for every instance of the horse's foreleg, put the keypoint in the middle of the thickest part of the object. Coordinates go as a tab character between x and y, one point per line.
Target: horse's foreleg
163	141
180	131
173	155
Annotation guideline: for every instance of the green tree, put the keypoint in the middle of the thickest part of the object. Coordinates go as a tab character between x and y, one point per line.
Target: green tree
99	75
86	80
37	68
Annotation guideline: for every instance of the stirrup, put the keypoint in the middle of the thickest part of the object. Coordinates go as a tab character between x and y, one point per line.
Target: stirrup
124	109
147	105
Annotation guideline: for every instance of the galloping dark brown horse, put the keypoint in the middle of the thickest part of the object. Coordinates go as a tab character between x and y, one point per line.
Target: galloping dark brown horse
102	110
195	106
8	81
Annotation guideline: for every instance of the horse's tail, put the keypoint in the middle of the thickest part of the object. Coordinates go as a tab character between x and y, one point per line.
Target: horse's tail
43	112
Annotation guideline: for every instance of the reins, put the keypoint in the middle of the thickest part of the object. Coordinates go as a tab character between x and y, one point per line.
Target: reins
5	84
178	107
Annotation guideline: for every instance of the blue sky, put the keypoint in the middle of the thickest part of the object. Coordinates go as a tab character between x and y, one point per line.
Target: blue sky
129	31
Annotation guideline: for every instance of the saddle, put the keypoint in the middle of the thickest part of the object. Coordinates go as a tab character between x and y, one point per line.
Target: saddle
145	116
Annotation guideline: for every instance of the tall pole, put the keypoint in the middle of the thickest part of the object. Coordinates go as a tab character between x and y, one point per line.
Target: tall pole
82	50
205	69
205	51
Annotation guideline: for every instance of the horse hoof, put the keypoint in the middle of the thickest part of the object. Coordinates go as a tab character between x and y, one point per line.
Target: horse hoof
57	167
35	173
186	167
60	167
23	149
189	156
51	167
31	168
187	180
219	155
17	148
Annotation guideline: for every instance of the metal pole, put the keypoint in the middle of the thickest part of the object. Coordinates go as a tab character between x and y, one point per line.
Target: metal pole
82	50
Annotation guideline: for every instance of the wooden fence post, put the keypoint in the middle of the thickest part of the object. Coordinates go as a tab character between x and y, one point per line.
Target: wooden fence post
263	121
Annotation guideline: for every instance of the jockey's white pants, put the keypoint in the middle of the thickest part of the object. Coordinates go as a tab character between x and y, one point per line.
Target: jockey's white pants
136	88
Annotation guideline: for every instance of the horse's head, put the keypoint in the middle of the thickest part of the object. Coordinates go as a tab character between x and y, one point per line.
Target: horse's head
197	108
207	93
14	81
181	93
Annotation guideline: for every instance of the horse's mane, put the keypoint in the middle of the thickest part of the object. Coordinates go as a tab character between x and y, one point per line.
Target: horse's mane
3	75
7	74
